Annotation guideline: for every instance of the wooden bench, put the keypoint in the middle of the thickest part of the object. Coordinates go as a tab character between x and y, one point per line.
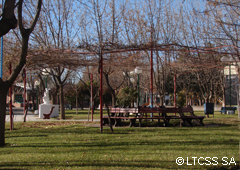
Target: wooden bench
47	116
119	114
225	109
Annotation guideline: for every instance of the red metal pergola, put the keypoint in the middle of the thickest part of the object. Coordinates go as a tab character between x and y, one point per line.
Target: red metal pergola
150	48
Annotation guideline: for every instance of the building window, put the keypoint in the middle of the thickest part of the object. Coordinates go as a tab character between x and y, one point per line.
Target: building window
18	98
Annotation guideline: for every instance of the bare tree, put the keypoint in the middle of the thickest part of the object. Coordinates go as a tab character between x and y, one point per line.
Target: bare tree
226	15
25	33
57	30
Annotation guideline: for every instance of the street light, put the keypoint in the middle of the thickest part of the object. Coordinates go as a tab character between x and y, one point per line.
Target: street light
45	72
37	83
138	70
132	80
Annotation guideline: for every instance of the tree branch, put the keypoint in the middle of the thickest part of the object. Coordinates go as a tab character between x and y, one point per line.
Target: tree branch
8	20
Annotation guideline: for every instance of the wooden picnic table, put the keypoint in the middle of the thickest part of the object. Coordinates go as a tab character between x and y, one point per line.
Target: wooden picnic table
185	114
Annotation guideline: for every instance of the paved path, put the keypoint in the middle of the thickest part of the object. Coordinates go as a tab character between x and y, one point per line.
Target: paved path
18	116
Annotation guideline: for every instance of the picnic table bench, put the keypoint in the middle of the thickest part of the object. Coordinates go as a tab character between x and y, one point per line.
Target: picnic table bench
225	109
132	114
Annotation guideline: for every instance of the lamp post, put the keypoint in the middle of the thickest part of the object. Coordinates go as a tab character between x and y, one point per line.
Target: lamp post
45	72
37	83
138	70
228	60
132	80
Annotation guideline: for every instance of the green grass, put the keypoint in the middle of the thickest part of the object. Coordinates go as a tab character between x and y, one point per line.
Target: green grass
81	145
83	114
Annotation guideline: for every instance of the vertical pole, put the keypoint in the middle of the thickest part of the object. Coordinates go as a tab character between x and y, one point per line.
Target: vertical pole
24	91
175	90
151	67
92	111
101	93
138	91
37	97
10	102
230	83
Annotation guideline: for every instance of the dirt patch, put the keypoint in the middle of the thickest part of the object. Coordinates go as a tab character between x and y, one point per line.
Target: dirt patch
92	125
48	123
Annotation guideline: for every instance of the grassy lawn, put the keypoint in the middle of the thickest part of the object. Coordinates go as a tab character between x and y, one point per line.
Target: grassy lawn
83	114
81	145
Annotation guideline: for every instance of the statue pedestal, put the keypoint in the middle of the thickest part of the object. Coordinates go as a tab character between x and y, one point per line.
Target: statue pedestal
45	109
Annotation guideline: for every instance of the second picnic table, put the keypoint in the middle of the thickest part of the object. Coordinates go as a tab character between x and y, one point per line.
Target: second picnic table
184	114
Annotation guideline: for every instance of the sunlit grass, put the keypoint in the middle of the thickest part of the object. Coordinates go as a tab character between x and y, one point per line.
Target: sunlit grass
81	145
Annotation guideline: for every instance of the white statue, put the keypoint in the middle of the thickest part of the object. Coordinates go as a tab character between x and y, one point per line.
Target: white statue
46	97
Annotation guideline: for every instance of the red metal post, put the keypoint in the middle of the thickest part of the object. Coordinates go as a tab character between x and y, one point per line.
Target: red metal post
151	83
101	94
92	111
151	67
175	89
24	91
10	102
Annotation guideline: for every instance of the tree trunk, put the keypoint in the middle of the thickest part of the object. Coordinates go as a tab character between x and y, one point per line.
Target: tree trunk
186	100
3	94
54	98
8	20
224	98
76	103
109	119
26	110
33	102
62	109
25	115
55	95
162	100
93	106
8	13
113	98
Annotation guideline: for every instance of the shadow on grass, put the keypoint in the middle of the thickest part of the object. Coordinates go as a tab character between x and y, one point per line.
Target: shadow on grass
121	144
26	136
110	164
